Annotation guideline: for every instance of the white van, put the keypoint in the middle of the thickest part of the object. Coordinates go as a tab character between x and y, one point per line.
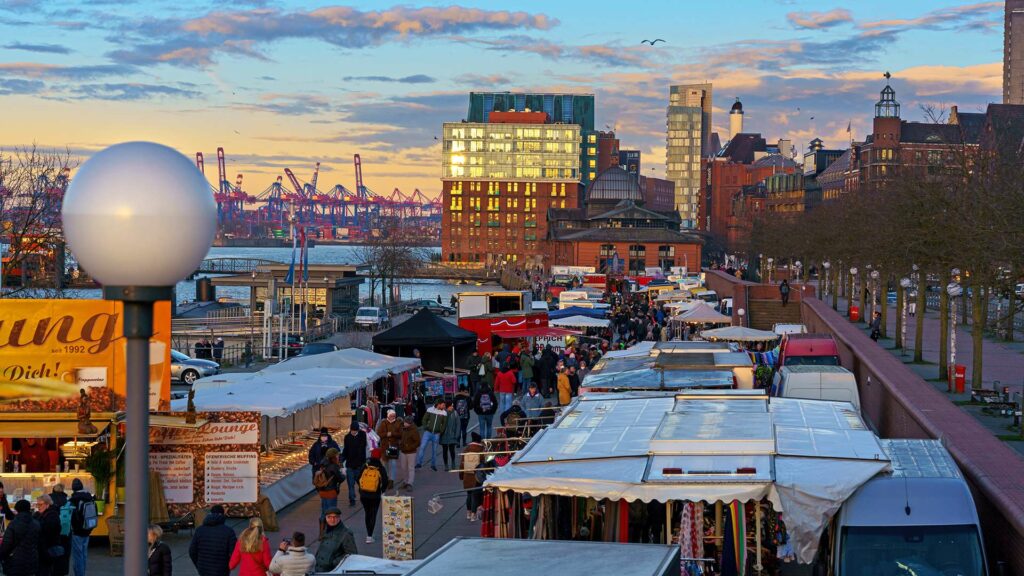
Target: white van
817	383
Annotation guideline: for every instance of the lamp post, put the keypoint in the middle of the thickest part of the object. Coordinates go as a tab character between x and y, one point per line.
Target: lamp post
853	290
761	267
954	290
905	286
771	262
741	313
824	290
799	270
874	292
123	218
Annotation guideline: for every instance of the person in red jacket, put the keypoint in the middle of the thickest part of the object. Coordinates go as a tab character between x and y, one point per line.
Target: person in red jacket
252	552
505	386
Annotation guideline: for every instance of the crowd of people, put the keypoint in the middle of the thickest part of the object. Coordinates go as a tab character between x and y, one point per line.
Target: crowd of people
50	536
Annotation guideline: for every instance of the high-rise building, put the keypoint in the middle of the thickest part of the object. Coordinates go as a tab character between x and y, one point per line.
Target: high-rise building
499	178
688	140
561	109
1013	52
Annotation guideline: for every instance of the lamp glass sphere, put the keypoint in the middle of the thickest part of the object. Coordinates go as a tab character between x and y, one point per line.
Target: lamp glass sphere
853	271
905	282
827	265
874	274
139	214
955	271
741	311
954	289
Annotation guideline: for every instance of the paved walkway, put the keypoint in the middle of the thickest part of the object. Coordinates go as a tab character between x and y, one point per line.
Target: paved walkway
1003	365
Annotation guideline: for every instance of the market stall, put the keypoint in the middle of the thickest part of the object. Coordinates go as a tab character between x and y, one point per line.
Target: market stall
580	321
739	334
764	472
578	311
440	342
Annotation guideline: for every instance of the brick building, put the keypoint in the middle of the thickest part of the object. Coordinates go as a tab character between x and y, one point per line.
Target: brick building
499	179
607	151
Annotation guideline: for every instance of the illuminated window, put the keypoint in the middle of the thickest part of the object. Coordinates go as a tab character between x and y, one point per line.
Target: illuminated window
592	138
592	151
593	163
592	176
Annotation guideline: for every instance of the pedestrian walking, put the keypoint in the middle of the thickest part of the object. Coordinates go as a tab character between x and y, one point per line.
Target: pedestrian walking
372	484
252	551
50	549
487	376
476	372
389	430
61	566
247	353
319	449
337	543
212	545
912	304
292	558
409	444
532	402
450	437
876	326
159	552
564	388
19	551
463	408
526	362
784	292
218	350
84	519
505	386
485	405
327	482
470	461
434	422
353	457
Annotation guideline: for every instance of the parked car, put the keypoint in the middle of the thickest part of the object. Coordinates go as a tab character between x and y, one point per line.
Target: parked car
372	318
292	347
314	348
432	305
187	370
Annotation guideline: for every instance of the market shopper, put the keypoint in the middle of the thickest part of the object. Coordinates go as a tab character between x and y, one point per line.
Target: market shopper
532	402
505	386
485	405
564	388
19	551
327	482
476	372
292	558
463	408
159	552
434	422
353	457
252	551
372	484
337	543
407	448
83	521
526	362
470	461
212	545
319	449
390	432
50	549
450	437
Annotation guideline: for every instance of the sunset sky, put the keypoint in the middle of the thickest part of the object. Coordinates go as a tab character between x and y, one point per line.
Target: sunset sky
286	84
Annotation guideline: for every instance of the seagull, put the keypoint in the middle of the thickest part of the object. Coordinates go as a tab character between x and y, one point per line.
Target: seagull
652	42
812	117
237	132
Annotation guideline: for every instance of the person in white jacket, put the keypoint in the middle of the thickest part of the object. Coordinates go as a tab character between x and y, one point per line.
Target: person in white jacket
292	558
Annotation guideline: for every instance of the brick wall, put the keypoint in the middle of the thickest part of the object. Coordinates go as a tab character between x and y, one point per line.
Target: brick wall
742	291
899	404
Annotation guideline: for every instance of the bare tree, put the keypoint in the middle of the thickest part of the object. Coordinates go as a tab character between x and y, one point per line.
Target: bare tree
32	185
391	253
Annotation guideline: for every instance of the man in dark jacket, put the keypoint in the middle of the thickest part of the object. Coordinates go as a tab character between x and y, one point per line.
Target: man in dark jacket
485	404
319	449
50	548
79	533
212	545
19	551
473	365
353	456
371	498
336	543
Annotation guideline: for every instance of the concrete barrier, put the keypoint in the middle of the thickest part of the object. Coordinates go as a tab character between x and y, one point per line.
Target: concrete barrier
899	404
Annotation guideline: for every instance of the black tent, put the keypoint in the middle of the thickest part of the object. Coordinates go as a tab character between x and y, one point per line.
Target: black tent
439	341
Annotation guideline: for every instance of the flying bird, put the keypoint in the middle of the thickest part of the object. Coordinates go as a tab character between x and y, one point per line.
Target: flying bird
652	42
812	117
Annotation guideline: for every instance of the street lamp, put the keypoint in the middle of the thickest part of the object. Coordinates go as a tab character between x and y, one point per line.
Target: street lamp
123	215
954	290
826	265
741	313
905	286
771	261
874	291
853	291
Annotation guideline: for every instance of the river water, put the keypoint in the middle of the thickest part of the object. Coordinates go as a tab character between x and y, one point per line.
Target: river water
409	289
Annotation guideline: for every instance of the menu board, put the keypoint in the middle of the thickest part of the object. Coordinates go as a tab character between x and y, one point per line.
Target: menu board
176	473
231	477
396	526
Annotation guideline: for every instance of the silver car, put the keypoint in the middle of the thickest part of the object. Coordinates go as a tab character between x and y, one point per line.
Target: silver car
187	370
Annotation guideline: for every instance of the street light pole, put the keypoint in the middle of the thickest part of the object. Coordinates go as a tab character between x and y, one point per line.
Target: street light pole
853	290
824	291
954	290
129	238
905	287
874	292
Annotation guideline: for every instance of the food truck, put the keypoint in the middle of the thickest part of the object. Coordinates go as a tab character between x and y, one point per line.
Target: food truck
472	304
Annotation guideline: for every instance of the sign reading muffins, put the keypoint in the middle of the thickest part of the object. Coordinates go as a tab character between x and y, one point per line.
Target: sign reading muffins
52	350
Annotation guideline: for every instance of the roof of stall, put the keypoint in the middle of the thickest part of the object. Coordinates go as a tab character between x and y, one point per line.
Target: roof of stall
275	394
580	321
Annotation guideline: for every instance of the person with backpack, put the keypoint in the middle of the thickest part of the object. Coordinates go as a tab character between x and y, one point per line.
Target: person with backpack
212	545
319	449
434	422
485	405
83	520
252	551
372	484
408	445
159	552
463	407
62	565
19	551
450	437
470	461
327	481
353	457
50	549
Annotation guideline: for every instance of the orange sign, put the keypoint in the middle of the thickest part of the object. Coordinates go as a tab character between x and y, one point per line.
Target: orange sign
50	350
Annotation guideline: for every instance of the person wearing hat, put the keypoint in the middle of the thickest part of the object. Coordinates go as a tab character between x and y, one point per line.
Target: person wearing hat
319	449
211	546
336	543
372	483
79	533
408	446
19	551
390	432
353	457
330	477
470	460
218	349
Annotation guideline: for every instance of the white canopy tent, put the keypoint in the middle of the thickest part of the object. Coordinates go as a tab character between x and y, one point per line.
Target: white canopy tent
377	365
581	322
702	313
738	334
806	457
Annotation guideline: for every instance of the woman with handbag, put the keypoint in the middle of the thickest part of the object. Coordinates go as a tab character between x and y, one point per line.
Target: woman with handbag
252	551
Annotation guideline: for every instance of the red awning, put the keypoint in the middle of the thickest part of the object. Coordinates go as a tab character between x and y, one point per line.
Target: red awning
549	331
